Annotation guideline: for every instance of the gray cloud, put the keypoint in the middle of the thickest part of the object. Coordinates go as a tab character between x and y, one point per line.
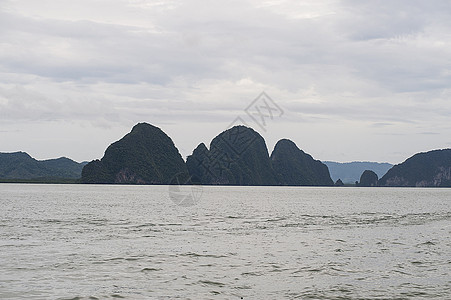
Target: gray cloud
372	64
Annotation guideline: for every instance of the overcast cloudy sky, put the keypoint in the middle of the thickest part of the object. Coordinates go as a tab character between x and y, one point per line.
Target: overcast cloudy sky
356	80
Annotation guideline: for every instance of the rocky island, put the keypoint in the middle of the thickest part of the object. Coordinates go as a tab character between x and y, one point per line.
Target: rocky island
237	156
21	167
295	167
368	179
427	169
146	155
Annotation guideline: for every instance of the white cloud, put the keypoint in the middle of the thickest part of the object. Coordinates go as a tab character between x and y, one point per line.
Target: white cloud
344	64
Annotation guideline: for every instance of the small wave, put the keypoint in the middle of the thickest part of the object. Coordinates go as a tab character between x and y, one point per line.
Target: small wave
308	269
132	258
209	282
145	225
151	269
397	243
243	287
115	258
92	221
54	221
415	294
428	243
121	223
361	219
193	254
401	272
252	274
276	219
276	270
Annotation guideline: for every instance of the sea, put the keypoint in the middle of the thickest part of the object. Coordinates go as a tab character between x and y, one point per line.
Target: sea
224	242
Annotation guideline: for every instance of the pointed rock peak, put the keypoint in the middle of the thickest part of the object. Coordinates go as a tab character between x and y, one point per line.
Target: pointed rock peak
237	156
238	140
287	146
240	129
144	127
339	182
295	167
286	143
201	148
146	155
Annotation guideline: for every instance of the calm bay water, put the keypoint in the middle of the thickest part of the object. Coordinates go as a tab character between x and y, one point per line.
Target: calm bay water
89	242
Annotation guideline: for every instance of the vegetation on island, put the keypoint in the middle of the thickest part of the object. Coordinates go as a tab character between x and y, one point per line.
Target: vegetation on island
237	156
146	155
21	167
368	179
427	169
295	167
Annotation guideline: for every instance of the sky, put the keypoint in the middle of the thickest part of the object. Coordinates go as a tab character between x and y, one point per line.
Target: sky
345	80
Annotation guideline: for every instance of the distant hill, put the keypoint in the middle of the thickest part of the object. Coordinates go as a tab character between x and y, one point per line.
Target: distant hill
237	156
350	172
428	169
295	167
21	166
146	155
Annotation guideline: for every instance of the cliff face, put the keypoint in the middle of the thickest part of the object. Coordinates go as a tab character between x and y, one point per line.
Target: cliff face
146	155
237	156
198	164
295	167
429	169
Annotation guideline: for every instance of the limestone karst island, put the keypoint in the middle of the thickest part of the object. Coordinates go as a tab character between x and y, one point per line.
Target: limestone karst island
237	156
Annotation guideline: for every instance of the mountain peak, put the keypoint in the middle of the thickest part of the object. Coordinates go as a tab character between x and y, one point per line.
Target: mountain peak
295	167
146	155
143	126
21	166
237	156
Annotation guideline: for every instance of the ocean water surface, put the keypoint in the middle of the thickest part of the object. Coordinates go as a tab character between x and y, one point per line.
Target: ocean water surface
138	242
